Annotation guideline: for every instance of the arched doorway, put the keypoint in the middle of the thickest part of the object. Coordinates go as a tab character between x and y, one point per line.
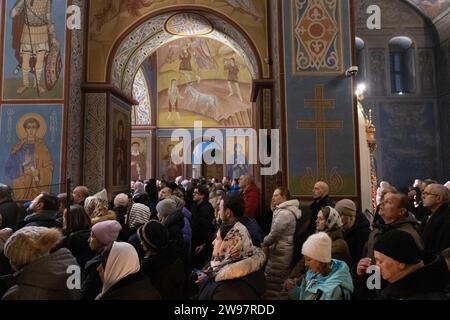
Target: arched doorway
185	59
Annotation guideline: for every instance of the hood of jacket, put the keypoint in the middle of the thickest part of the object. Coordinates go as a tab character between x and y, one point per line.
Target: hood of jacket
339	276
244	267
175	219
48	272
293	206
410	219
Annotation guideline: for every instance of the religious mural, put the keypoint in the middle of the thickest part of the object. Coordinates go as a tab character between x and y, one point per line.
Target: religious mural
108	20
432	7
202	79
237	153
141	113
119	145
33	57
167	169
139	157
31	149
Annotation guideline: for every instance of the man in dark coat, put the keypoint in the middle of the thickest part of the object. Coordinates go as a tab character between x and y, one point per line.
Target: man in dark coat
436	227
10	212
320	195
45	212
202	227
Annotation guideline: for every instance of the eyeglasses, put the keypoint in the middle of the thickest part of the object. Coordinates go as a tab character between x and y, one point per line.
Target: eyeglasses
429	194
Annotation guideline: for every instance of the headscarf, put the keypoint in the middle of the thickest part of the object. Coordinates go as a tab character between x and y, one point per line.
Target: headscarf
139	215
334	220
123	260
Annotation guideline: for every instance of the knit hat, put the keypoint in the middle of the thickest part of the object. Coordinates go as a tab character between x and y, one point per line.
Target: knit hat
106	231
29	244
154	235
4	235
121	200
346	207
400	246
318	247
166	207
139	214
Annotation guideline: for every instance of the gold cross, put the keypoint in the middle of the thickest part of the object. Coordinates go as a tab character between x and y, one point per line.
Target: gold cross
320	124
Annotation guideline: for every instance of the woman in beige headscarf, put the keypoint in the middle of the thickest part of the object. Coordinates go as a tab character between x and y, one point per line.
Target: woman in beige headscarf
122	278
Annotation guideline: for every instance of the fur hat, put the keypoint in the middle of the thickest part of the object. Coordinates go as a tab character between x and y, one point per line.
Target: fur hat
121	200
346	207
318	247
29	244
4	235
166	207
400	246
106	231
154	235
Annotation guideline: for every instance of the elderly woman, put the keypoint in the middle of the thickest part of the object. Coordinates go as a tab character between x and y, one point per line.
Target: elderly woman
326	279
96	207
279	243
235	273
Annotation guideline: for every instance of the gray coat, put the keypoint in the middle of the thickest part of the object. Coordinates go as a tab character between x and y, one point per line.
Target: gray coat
44	279
280	241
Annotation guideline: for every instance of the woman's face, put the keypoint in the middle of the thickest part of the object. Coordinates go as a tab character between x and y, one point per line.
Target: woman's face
277	198
321	223
94	244
312	264
31	129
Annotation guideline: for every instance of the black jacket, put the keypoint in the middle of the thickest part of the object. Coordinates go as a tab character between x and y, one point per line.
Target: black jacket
175	224
91	284
357	237
136	286
77	243
254	230
11	213
201	223
315	208
250	287
436	231
427	283
41	219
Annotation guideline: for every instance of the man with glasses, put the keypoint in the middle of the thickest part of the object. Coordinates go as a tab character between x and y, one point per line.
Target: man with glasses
436	226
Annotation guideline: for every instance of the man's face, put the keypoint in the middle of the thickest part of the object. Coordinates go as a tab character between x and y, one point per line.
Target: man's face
430	198
389	209
165	193
135	148
31	129
318	191
197	196
36	204
78	197
390	269
242	182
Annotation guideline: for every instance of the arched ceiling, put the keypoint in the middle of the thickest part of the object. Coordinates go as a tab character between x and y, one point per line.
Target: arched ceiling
431	8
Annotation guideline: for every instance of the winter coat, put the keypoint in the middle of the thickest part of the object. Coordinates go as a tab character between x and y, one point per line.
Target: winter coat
252	199
10	214
44	279
427	283
136	286
356	237
280	241
315	207
201	223
254	229
337	285
242	280
77	243
166	270
339	248
187	230
408	224
175	224
436	231
45	218
91	284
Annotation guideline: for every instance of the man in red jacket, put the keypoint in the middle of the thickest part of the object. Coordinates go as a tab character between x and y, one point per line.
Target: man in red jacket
251	195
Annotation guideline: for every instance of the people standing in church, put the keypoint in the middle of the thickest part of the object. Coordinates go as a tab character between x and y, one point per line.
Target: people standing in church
44	210
436	226
174	97
320	195
30	165
279	243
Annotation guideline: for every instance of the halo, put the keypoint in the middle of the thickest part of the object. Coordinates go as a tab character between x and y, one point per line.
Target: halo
20	130
141	143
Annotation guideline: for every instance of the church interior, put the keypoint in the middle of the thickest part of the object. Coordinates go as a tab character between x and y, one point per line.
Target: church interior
119	78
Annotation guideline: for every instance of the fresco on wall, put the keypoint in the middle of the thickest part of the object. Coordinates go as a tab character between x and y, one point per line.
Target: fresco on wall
33	57
141	114
109	19
407	146
432	8
168	170
139	155
200	79
30	152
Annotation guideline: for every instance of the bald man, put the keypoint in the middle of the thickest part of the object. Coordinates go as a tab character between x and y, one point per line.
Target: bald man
79	194
436	226
320	195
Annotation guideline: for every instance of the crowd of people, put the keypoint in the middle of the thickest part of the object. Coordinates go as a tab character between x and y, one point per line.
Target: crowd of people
213	240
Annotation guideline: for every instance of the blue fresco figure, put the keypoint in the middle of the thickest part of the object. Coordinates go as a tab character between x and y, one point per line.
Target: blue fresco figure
238	166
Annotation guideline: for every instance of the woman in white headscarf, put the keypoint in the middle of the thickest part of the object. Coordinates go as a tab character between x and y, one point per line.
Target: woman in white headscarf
122	278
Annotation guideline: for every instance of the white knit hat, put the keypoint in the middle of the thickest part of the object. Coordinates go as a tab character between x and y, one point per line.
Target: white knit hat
318	247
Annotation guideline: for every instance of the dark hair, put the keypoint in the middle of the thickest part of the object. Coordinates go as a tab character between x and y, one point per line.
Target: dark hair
49	200
29	120
224	229
235	203
5	192
62	200
325	212
284	192
404	202
76	220
203	190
